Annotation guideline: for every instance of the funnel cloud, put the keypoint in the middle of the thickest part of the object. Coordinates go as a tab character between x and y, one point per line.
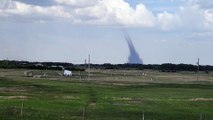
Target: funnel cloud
134	57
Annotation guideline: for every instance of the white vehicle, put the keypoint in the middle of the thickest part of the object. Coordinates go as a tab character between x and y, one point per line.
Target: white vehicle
67	73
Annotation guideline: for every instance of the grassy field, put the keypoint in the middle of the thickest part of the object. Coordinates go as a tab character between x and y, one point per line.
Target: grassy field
107	95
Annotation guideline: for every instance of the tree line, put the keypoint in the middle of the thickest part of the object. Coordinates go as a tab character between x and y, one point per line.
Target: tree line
166	67
7	64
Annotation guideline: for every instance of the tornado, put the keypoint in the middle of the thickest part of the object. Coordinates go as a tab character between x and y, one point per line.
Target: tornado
134	57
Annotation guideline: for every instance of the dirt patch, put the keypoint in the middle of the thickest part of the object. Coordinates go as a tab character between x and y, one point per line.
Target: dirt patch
70	97
92	104
201	99
120	104
66	97
14	97
135	102
128	100
122	98
12	89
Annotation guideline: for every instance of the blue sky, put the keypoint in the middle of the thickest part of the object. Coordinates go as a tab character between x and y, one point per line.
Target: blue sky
163	31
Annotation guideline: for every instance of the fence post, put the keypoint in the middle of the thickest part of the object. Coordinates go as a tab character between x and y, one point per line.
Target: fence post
201	116
22	106
79	74
143	116
83	113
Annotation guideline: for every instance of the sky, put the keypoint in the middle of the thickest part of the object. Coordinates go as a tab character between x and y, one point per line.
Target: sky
162	31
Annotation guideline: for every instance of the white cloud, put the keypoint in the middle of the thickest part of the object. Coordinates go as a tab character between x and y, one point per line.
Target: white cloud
123	14
205	3
168	21
196	16
104	12
25	11
209	16
192	16
144	16
77	3
111	12
116	12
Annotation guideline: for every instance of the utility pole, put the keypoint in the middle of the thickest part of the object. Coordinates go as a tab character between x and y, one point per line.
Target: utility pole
85	63
89	67
198	68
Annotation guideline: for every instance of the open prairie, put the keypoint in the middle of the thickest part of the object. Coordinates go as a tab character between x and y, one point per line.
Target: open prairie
106	94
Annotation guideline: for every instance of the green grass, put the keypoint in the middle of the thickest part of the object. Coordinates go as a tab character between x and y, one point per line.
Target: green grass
114	98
